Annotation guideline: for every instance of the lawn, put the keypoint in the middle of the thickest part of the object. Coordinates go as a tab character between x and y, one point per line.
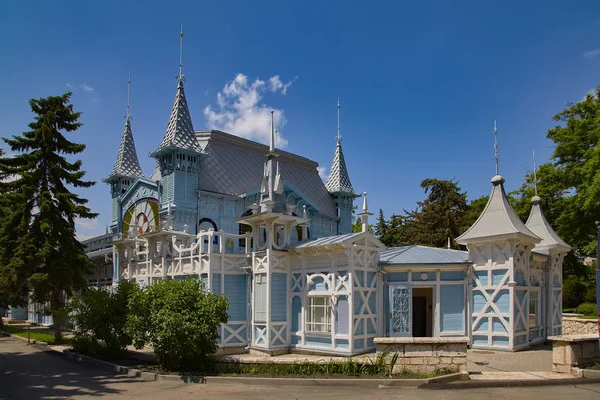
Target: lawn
36	334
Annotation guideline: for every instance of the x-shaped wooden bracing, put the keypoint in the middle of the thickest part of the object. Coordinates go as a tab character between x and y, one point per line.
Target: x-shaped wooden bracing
365	295
490	302
234	333
278	332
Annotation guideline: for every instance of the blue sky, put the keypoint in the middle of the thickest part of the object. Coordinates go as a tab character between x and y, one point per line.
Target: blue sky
420	82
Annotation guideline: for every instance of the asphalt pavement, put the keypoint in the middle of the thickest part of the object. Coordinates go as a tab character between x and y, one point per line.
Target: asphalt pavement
34	372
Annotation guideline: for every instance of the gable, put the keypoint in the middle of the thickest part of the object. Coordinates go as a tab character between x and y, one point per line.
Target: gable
140	189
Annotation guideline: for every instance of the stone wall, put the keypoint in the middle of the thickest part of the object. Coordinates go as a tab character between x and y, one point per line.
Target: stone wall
579	326
426	355
574	351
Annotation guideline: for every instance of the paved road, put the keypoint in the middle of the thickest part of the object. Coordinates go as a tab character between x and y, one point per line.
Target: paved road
29	372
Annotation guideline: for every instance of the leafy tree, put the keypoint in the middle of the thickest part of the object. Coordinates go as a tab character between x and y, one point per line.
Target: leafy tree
395	235
38	248
99	317
179	320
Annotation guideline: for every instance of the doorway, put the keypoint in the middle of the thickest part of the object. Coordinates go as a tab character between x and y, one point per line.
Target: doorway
422	311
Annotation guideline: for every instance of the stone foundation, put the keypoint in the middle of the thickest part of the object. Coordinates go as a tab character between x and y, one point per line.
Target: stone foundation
572	352
579	326
426	355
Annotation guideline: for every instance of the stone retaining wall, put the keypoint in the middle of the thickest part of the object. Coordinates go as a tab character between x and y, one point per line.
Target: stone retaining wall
579	326
426	355
574	351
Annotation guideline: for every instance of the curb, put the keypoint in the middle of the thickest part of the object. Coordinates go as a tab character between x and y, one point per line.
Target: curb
228	380
509	383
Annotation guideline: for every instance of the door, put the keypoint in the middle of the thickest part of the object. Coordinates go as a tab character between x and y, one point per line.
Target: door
400	316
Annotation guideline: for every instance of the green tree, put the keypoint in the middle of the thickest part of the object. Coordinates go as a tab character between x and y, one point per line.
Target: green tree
179	319
99	317
439	216
381	226
39	253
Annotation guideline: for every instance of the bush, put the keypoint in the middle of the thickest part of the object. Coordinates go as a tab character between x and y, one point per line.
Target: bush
179	319
99	318
587	309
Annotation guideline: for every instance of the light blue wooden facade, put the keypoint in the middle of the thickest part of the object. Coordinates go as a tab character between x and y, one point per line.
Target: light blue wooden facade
258	225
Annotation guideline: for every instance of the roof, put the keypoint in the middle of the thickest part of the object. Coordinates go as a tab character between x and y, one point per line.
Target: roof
497	219
423	255
538	224
235	166
180	131
327	240
127	163
338	180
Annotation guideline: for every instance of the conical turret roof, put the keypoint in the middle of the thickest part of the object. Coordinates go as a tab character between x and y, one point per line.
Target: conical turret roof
180	131
338	180
498	220
538	224
127	163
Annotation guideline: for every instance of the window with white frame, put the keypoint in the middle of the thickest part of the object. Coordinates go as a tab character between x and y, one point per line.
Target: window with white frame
260	298
318	316
534	308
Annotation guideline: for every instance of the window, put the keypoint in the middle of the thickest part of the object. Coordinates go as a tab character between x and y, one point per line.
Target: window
534	315
318	316
260	298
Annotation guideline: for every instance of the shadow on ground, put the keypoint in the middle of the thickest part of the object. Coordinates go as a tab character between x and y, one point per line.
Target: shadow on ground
27	372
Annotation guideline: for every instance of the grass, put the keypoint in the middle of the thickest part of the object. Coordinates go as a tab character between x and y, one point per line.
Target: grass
35	334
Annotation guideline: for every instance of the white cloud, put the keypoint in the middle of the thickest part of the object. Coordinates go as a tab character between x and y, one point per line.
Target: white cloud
239	110
275	84
70	86
591	53
86	88
323	173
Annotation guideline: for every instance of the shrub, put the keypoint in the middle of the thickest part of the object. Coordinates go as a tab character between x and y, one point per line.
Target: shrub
99	317
588	309
179	319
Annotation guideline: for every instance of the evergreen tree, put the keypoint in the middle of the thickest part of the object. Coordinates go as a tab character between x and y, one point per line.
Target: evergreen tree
381	226
39	253
440	216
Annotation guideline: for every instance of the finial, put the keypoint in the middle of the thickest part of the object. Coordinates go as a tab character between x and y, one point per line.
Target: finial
495	132
339	137
365	208
276	136
535	175
180	77
272	144
449	246
128	116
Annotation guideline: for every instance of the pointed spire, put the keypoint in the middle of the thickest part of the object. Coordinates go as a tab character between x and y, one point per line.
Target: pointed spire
535	175
498	220
180	77
495	132
128	116
180	131
272	142
338	180
538	224
339	137
127	163
365	214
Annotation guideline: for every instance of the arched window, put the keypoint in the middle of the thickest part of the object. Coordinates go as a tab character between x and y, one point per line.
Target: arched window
204	225
243	229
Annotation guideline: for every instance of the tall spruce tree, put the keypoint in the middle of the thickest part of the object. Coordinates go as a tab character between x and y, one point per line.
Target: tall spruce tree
39	254
381	226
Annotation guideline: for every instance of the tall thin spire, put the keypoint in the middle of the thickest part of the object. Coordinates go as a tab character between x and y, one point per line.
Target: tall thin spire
181	77
495	132
339	137
535	175
128	116
180	131
272	143
127	163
